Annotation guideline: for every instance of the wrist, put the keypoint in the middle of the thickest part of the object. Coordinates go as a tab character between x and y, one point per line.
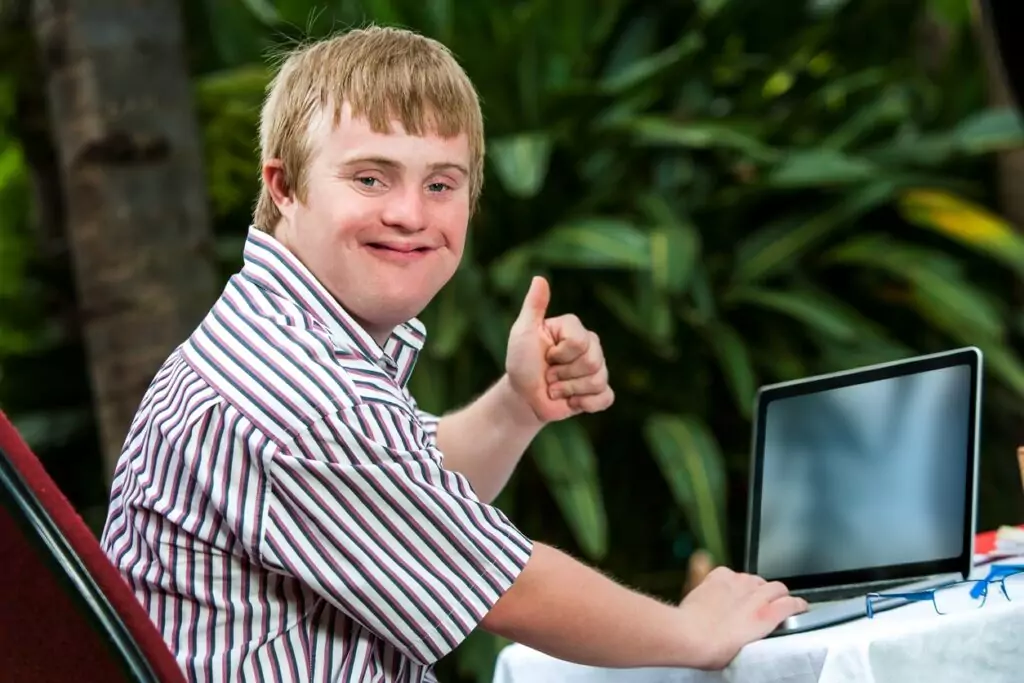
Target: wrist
515	407
699	647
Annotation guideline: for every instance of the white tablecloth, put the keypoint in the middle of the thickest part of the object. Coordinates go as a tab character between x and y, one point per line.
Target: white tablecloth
903	645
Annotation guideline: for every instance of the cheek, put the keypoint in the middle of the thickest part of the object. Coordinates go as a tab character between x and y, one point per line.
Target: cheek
343	214
455	222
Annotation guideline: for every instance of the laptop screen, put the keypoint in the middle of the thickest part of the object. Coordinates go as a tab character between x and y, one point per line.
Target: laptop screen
868	475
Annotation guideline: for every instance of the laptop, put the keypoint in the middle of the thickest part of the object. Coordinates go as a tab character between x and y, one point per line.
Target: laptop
865	481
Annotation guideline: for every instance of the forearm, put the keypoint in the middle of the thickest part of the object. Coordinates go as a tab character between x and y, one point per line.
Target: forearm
485	440
565	609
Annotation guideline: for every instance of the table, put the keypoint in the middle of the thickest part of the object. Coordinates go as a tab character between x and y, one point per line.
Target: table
903	645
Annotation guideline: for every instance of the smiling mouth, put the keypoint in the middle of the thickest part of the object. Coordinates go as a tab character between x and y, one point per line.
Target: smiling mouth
399	250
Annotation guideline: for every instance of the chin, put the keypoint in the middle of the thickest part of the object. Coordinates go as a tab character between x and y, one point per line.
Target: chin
384	316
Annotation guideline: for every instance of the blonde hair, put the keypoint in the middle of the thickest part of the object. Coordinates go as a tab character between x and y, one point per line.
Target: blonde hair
383	74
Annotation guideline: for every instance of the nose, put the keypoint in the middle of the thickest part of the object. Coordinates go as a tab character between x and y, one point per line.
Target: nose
405	210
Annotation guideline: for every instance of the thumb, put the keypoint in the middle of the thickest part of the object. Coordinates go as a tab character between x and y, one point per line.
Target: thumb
535	305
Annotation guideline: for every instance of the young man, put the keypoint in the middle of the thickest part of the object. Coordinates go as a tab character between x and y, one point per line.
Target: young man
282	507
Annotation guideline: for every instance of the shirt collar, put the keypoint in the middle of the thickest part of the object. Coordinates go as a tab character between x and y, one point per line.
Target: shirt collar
274	267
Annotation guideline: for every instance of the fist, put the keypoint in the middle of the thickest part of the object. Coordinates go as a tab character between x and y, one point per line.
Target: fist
555	365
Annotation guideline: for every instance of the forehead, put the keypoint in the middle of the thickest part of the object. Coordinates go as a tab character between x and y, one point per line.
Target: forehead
354	137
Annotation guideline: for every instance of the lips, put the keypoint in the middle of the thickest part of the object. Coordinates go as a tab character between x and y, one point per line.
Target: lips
399	247
398	253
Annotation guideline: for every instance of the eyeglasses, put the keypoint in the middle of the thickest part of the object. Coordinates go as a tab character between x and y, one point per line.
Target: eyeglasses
962	595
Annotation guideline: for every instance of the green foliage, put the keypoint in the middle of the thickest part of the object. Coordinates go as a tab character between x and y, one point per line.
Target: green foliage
729	194
689	458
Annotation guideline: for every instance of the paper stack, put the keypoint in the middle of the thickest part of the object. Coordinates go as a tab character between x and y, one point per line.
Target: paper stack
1010	540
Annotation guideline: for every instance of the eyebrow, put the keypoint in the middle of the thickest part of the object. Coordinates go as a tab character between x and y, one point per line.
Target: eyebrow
392	164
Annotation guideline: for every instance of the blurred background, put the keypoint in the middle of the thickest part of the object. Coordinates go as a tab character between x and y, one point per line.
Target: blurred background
730	192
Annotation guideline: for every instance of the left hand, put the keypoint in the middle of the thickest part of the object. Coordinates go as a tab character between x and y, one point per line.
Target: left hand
555	365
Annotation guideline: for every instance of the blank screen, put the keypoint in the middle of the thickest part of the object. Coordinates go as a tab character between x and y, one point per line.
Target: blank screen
865	476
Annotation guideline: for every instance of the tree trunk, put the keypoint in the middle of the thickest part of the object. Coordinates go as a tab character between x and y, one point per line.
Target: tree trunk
1010	177
129	154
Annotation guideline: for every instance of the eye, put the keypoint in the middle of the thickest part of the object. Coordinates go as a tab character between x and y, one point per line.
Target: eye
367	181
438	187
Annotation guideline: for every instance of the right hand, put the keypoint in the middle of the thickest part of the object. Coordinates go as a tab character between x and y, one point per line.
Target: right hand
728	610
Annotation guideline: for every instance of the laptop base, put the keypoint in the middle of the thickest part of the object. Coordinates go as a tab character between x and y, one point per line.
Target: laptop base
822	614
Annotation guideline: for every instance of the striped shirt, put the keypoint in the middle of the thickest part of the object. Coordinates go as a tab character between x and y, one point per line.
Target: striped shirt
280	506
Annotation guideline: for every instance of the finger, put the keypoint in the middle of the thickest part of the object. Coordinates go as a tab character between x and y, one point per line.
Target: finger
742	585
750	582
777	611
593	404
587	364
583	386
720	573
770	590
571	339
535	304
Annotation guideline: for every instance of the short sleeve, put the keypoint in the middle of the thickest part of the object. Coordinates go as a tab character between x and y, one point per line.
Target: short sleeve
361	510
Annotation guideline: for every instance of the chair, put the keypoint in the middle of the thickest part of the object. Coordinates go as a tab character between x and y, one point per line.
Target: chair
66	614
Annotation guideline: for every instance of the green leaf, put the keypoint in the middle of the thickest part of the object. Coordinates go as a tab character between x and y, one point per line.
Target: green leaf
478	654
642	70
961	301
781	245
954	14
966	223
663	132
492	327
889	109
938	284
511	269
704	306
674	250
634	44
566	459
429	385
692	464
442	18
804	307
650	320
1000	359
822	167
237	29
248	82
734	359
263	10
12	166
623	307
821	9
709	8
654	308
384	12
450	322
521	162
594	243
987	132
992	130
675	246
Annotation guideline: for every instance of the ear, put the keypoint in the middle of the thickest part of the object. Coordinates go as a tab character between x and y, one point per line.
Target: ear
278	185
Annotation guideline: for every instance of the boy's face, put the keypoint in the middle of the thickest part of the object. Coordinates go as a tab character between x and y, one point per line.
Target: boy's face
384	222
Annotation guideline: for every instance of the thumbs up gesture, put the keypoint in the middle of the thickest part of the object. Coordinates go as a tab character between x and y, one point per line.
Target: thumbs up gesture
555	364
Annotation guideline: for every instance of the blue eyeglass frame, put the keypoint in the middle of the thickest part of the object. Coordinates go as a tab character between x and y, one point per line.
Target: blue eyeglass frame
997	573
